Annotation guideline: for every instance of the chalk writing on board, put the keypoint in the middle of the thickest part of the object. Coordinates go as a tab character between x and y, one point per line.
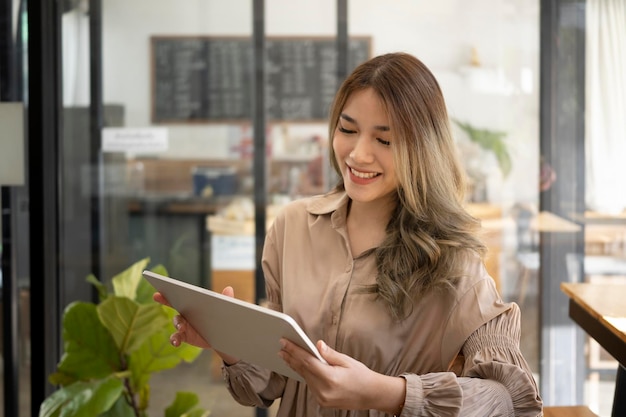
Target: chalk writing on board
209	79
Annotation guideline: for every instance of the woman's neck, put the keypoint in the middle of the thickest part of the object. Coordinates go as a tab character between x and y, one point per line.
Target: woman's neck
367	224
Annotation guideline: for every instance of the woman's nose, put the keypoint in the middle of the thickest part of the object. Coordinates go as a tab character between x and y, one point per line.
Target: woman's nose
362	151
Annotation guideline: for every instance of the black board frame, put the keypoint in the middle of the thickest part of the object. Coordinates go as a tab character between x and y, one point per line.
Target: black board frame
180	96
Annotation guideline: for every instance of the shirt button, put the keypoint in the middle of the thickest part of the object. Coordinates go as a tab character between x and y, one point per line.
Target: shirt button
335	319
349	268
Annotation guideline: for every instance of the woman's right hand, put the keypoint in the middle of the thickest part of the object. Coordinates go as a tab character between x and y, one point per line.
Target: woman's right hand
185	333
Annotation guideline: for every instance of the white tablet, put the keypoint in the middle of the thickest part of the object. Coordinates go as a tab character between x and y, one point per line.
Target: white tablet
244	330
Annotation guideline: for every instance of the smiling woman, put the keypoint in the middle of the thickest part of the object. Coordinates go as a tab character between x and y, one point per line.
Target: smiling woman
386	272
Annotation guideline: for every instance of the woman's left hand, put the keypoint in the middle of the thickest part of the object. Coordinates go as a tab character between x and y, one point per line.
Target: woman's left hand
344	382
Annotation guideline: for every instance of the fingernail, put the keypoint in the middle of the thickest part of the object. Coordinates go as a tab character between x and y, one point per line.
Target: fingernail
283	343
174	341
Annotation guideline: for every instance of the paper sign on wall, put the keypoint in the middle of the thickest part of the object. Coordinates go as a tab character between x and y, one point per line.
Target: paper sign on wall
12	144
136	140
232	252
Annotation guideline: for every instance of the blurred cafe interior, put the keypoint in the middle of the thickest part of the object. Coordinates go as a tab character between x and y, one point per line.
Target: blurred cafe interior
175	131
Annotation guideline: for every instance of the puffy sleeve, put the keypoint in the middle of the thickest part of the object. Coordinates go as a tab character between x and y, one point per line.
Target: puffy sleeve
492	353
251	385
495	378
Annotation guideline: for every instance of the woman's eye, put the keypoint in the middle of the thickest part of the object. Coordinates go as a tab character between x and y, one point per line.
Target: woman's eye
384	142
344	130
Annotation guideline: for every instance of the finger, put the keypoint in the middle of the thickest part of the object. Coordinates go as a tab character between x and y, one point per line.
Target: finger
229	291
298	358
185	333
179	323
331	355
286	355
176	339
159	298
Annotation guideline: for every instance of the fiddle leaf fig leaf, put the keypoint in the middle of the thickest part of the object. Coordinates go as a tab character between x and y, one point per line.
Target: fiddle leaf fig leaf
121	408
83	399
125	283
183	406
130	323
489	140
103	293
145	290
158	354
160	269
90	352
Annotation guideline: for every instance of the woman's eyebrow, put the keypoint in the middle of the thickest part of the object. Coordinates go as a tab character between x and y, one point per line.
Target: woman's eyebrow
351	120
347	118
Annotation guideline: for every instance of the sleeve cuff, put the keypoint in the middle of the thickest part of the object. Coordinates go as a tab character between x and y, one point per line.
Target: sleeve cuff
432	394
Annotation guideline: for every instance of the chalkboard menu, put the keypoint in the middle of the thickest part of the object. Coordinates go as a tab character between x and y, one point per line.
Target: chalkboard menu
209	79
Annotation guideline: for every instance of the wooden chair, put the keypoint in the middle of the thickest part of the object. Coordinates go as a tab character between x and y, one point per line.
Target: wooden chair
573	411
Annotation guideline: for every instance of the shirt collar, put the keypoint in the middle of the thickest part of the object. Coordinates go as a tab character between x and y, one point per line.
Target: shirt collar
328	203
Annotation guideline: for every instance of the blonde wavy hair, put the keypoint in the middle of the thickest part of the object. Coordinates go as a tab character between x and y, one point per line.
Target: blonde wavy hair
430	234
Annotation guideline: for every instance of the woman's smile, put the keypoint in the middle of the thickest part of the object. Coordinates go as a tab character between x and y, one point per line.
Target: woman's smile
362	175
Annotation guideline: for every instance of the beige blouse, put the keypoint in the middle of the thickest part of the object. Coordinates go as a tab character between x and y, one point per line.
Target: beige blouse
458	351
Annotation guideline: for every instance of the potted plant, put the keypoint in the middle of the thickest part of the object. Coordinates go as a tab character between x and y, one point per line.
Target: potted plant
111	350
483	140
491	141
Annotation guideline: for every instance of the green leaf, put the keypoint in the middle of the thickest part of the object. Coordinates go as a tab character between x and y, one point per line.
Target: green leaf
158	354
489	140
144	292
90	352
121	408
151	357
160	269
183	404
82	399
125	283
103	292
130	323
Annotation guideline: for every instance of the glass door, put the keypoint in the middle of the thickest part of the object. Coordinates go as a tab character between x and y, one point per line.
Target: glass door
15	349
180	154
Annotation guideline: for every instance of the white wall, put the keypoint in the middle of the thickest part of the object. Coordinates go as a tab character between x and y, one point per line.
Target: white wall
442	33
505	34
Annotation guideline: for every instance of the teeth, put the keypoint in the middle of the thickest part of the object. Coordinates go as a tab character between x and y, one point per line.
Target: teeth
365	175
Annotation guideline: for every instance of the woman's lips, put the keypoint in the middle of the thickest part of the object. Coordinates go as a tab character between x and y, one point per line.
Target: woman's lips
363	175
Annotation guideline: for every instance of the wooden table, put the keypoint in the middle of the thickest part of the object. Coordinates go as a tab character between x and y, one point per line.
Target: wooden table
546	221
600	310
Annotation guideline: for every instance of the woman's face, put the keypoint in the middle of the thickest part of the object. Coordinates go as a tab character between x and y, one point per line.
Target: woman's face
362	143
